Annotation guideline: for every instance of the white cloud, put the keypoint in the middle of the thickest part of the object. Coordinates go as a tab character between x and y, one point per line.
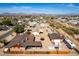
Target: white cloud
15	9
25	9
22	7
71	5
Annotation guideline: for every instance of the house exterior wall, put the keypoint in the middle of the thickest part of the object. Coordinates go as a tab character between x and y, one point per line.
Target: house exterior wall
57	39
15	49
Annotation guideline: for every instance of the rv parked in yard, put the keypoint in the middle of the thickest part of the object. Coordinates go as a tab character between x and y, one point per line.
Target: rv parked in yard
69	44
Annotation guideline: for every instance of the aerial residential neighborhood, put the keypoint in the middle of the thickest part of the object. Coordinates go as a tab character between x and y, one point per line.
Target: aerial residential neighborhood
39	34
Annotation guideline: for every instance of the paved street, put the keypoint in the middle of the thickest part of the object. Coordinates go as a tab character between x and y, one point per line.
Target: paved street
6	34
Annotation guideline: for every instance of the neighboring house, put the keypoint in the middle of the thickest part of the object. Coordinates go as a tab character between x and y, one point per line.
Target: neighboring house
63	20
73	22
56	39
77	24
44	25
35	33
21	43
32	23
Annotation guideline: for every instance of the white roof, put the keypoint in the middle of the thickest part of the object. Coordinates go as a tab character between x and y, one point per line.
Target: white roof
5	49
35	33
32	23
19	21
74	21
57	41
43	24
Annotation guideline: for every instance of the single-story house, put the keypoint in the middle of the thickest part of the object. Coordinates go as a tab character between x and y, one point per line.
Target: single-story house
56	39
22	42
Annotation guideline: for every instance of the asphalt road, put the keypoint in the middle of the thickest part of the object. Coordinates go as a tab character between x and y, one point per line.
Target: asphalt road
6	34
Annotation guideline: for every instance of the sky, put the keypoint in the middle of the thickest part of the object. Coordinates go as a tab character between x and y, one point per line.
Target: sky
45	8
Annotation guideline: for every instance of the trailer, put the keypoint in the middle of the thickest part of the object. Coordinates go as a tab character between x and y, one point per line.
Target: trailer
69	44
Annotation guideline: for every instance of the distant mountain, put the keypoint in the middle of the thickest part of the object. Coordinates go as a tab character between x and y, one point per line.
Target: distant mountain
11	14
14	14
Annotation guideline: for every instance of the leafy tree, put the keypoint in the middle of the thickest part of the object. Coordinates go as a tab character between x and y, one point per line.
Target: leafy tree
6	22
19	28
3	41
0	23
71	31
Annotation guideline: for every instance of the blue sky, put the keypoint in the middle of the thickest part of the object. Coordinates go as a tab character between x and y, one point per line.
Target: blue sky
47	8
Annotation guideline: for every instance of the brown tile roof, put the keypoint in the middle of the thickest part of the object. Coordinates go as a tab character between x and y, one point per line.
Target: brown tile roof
55	36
